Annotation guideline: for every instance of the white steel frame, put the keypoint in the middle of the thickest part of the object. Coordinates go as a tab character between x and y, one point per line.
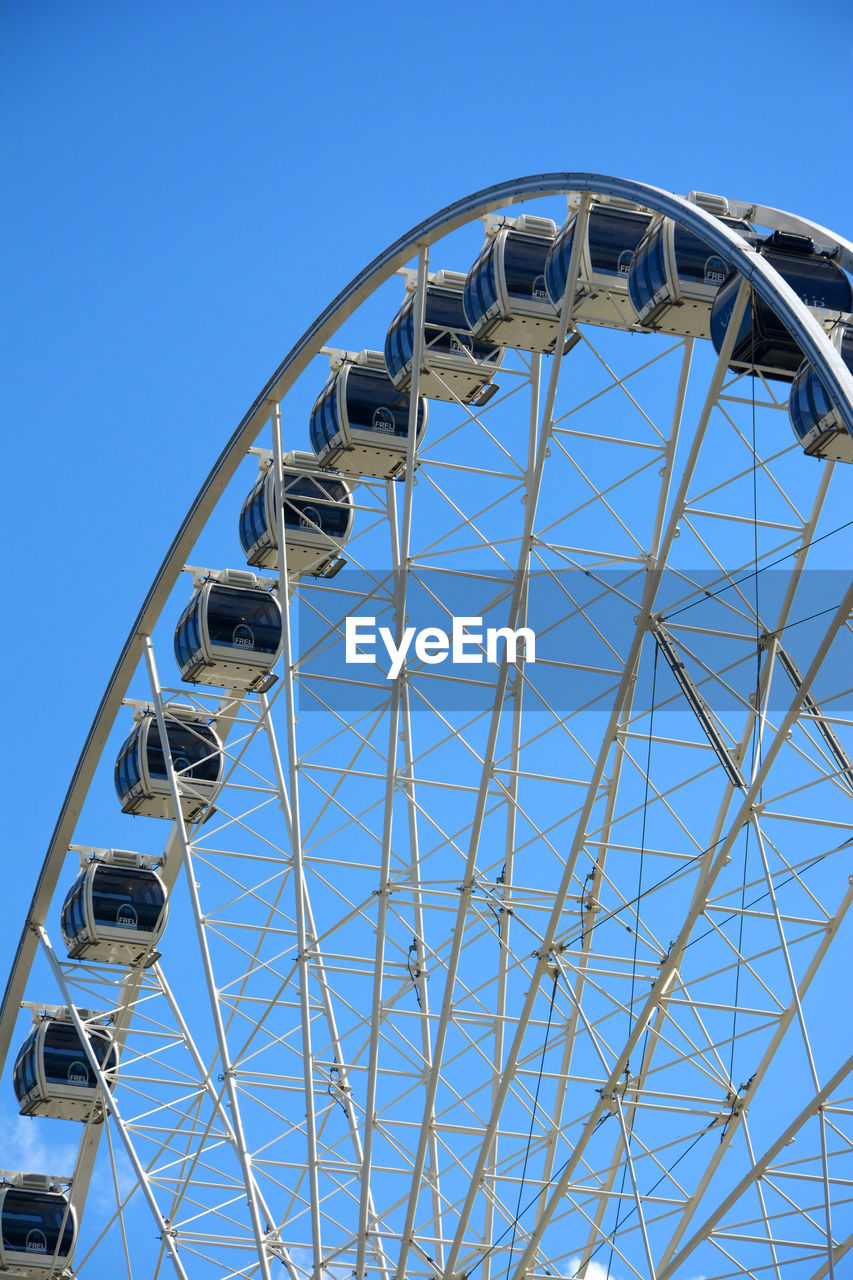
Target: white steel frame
431	1172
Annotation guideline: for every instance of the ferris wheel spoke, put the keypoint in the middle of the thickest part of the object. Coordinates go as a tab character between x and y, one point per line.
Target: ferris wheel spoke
170	1106
668	968
786	953
590	906
506	877
343	1089
216	1099
224	1054
623	693
401	541
765	1219
421	960
644	1068
591	898
728	1132
451	967
784	1022
162	1106
96	1069
766	1169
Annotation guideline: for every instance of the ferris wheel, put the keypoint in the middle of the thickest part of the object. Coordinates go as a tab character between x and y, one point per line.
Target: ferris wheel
454	879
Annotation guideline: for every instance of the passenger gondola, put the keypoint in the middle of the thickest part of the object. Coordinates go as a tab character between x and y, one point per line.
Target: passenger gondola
53	1076
318	516
505	295
456	366
817	423
675	275
116	910
360	421
763	344
141	780
38	1227
613	232
230	633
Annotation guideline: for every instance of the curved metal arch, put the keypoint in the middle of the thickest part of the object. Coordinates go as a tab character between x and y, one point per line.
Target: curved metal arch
764	279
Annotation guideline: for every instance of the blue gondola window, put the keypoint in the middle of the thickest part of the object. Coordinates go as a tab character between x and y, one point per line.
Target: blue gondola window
73	919
127	773
194	753
78	911
64	1057
316	432
810	403
333	425
648	274
24	1076
326	509
32	1222
524	266
180	638
799	406
134	773
693	259
242	619
187	634
557	263
611	235
253	519
481	293
373	404
323	426
398	345
73	913
445	327
399	340
129	899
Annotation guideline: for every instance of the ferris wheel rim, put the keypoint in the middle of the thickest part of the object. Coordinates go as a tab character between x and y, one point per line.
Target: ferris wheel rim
754	268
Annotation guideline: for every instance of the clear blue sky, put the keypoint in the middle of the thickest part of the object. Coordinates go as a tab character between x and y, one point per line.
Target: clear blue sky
186	187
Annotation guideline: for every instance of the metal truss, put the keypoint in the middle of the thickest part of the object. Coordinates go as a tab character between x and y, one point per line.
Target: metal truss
518	969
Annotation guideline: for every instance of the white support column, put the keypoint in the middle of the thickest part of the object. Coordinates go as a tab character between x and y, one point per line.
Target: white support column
420	982
834	1254
827	1196
505	917
400	586
111	1105
204	950
295	832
